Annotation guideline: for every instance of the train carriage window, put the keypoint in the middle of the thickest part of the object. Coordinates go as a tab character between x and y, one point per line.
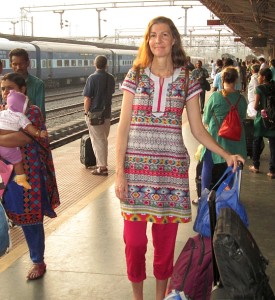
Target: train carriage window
4	64
86	63
79	63
33	64
73	63
59	63
66	63
43	63
50	63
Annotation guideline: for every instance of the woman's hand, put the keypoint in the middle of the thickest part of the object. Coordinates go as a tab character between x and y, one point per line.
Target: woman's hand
232	160
43	134
121	187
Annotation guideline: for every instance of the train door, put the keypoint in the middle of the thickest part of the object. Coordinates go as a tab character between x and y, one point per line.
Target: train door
38	62
112	63
49	65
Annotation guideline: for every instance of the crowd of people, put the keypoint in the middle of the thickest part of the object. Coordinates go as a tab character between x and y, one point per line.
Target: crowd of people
234	79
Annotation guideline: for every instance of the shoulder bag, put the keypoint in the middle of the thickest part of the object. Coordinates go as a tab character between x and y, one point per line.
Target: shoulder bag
227	195
97	115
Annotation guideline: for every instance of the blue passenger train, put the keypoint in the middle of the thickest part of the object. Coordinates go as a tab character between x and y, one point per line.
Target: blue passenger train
61	64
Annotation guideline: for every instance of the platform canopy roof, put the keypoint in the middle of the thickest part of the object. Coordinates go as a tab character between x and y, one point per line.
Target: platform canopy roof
253	21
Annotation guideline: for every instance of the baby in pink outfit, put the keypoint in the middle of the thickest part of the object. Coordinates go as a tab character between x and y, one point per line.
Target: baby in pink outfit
12	119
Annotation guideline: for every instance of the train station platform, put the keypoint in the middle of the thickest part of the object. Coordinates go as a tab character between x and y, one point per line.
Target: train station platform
84	246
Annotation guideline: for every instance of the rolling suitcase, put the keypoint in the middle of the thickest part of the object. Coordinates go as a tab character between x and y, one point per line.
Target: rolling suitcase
87	156
240	262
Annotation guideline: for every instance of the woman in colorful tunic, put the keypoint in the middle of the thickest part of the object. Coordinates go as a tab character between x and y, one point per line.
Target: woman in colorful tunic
151	159
27	208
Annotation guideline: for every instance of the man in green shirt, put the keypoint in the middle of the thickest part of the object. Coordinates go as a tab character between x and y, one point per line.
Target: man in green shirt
19	60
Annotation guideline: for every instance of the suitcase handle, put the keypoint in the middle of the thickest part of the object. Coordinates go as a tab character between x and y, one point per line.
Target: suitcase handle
240	165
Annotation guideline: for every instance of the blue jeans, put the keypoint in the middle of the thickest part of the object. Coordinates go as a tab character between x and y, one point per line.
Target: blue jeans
35	238
257	142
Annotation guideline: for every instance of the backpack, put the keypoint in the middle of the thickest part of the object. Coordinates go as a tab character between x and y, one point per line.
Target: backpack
231	127
269	108
241	264
193	272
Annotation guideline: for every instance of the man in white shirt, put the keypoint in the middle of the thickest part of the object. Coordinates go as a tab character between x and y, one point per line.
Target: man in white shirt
253	83
263	63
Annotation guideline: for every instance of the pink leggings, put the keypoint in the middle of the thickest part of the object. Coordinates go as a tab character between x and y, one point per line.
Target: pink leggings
135	238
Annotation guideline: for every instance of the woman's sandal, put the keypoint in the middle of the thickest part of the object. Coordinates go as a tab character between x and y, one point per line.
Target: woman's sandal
36	271
99	171
252	169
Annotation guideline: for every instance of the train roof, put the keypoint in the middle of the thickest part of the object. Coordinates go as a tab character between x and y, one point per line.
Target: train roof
58	47
66	41
124	52
6	44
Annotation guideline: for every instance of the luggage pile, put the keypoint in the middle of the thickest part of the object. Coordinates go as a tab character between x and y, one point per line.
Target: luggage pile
227	265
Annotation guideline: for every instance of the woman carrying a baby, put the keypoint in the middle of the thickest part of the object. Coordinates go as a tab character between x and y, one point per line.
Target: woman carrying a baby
27	206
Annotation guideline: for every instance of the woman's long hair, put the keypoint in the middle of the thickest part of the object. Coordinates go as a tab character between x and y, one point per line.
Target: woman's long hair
145	55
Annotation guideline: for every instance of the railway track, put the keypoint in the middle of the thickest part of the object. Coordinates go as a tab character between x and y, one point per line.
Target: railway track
72	129
62	96
70	119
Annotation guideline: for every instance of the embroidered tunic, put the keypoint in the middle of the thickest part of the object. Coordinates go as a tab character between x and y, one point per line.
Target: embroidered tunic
157	161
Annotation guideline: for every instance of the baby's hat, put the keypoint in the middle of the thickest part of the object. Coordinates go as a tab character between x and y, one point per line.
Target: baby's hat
17	101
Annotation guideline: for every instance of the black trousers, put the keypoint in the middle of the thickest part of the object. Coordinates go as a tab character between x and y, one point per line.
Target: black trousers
257	150
202	100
